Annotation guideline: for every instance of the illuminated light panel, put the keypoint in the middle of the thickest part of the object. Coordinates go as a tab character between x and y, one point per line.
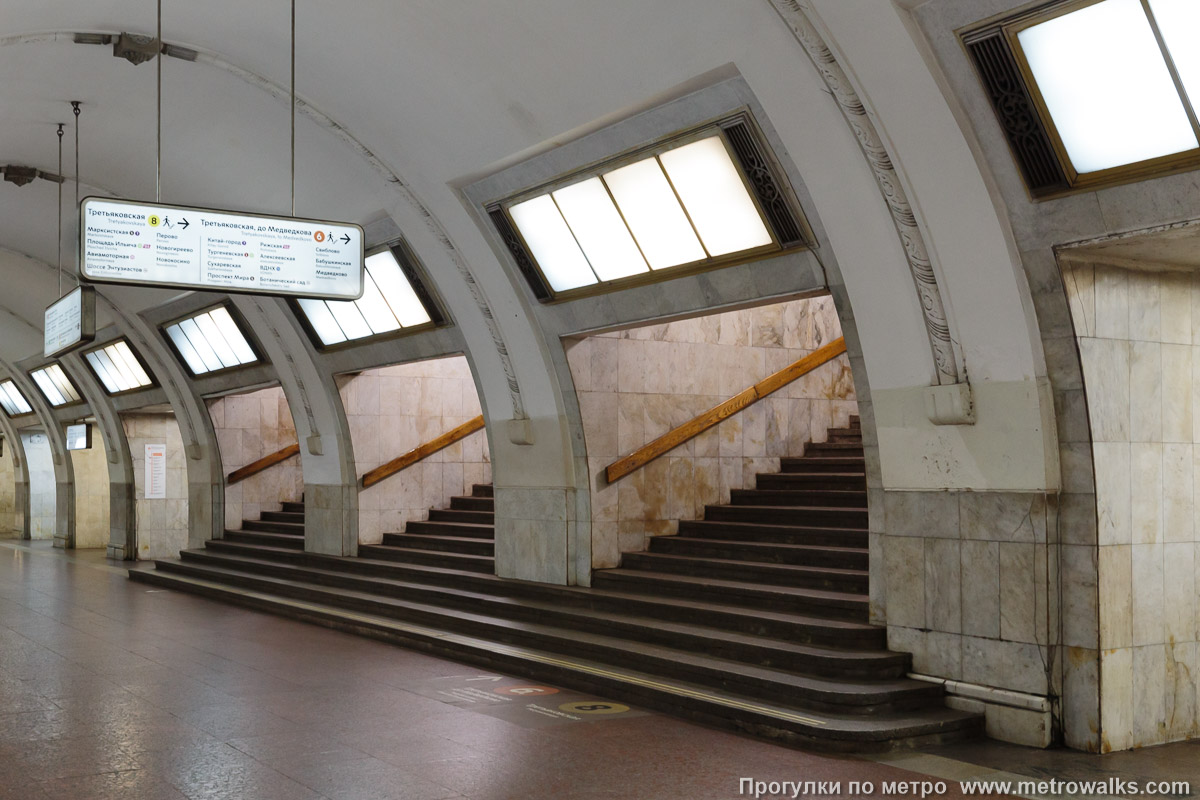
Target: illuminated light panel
715	197
11	399
1179	23
599	229
654	215
118	368
55	385
211	341
388	304
552	244
1107	87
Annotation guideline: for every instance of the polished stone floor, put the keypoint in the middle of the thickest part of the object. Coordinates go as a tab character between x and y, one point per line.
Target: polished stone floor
111	689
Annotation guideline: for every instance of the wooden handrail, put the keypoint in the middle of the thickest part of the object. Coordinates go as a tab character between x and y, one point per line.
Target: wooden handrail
448	438
672	439
266	461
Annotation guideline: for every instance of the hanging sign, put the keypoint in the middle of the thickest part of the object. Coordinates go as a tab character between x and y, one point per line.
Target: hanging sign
70	321
152	244
79	437
156	472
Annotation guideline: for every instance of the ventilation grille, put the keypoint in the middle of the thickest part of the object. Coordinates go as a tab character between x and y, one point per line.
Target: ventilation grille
765	183
517	248
1022	126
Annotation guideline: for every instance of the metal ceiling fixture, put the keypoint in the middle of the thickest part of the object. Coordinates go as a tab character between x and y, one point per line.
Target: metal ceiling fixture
134	47
25	175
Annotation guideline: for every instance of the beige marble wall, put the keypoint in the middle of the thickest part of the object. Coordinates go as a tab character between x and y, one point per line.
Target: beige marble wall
92	524
42	485
250	426
162	524
1139	339
637	384
391	410
9	524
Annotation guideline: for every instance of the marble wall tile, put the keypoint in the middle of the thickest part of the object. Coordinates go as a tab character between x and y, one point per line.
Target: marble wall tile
1148	609
981	607
1145	319
1146	491
1079	571
1003	516
943	585
1113	492
1175	298
1019	584
1018	666
934	653
1116	600
1177	393
1179	591
1107	364
1080	283
1145	394
1116	678
1177	493
1112	303
904	562
925	514
1150	718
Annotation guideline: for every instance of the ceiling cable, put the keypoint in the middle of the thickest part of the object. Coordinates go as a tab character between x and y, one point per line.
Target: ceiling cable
293	107
75	110
60	183
158	112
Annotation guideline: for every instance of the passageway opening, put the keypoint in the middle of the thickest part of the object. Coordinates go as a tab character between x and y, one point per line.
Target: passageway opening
394	410
637	384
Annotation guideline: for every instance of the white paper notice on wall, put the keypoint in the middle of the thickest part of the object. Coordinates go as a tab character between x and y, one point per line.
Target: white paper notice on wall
156	471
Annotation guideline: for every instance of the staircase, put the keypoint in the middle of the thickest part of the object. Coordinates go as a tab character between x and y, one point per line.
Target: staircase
754	617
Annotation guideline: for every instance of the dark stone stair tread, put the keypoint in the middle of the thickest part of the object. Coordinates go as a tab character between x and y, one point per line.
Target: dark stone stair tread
247	563
840	598
782	569
446	553
821	509
270	536
484	531
695	608
752	547
848	692
432	537
773	527
822	729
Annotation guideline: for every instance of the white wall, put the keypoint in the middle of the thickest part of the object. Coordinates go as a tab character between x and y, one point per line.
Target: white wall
42	485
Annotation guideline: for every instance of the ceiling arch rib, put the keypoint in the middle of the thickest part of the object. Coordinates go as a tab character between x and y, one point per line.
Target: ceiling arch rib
396	184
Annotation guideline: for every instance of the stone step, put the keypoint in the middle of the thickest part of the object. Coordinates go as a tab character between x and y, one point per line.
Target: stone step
830	732
433	558
283	516
814	464
761	682
452	544
732	530
293	528
800	628
454	515
808	659
762	552
816	516
834	579
817	480
469	530
481	490
835	447
847	606
839	498
291	506
473	503
283	540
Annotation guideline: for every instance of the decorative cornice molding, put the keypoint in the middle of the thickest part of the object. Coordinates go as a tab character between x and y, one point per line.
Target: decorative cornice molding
794	14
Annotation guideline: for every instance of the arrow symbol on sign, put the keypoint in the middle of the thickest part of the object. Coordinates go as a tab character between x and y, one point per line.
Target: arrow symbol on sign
486	678
345	239
184	224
